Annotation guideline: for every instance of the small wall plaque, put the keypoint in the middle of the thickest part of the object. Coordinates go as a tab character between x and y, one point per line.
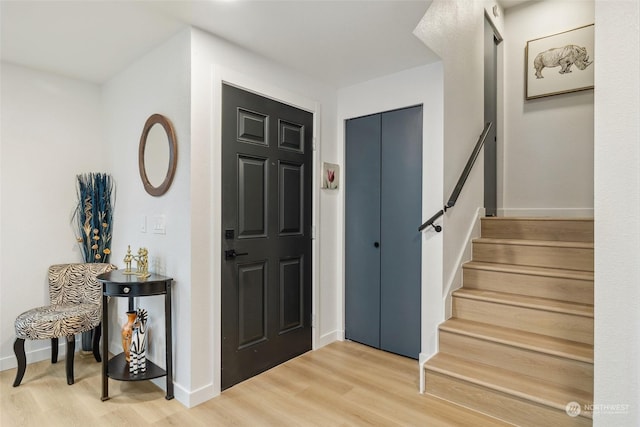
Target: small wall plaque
330	176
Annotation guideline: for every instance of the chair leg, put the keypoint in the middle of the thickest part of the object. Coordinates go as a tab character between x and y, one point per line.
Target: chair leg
54	350
18	349
71	349
97	332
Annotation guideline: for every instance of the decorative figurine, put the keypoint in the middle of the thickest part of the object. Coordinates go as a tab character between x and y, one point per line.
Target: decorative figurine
138	351
127	261
142	263
127	333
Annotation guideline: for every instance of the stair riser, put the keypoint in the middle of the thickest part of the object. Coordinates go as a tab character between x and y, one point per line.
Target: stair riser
546	367
559	230
538	256
498	404
580	291
560	325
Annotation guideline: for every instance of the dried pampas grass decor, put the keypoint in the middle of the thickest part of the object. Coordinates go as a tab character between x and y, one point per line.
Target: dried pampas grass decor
94	216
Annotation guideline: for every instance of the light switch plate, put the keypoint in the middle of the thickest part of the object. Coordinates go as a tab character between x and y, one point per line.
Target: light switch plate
159	224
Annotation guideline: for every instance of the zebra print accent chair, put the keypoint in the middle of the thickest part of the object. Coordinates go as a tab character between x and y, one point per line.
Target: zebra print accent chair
75	306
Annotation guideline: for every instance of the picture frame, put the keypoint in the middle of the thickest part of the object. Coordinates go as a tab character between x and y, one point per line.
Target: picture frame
560	63
330	176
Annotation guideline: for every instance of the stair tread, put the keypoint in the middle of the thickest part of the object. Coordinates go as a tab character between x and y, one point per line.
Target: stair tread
530	270
545	304
523	386
528	340
531	242
557	229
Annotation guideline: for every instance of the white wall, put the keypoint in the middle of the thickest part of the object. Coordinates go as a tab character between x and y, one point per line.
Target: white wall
215	61
617	212
548	142
421	85
156	83
51	130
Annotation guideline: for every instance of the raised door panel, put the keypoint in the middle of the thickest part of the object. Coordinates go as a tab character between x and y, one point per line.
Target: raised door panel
290	199
252	197
291	295
253	127
291	136
252	304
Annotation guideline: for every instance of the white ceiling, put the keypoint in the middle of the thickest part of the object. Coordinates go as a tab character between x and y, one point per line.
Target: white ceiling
338	42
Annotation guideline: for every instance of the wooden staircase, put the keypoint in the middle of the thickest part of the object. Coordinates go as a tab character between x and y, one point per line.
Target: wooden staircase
519	345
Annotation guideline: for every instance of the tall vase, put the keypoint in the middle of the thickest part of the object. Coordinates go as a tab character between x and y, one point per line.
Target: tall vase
127	332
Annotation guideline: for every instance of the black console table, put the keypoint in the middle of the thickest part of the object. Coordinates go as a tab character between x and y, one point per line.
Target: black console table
118	284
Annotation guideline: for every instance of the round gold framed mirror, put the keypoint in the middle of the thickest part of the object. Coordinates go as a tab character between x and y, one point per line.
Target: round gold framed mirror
157	155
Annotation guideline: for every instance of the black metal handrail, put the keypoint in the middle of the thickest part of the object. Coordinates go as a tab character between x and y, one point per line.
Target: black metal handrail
463	178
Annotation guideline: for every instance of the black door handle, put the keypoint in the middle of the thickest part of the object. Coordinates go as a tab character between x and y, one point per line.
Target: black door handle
376	244
231	254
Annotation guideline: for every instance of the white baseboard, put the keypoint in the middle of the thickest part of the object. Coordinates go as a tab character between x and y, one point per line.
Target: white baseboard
328	338
188	398
547	212
422	359
196	397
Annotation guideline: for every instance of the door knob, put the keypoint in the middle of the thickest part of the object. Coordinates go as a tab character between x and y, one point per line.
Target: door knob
376	244
231	254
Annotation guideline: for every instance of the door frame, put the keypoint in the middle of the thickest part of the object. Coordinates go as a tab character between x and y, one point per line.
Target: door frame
491	114
220	75
424	86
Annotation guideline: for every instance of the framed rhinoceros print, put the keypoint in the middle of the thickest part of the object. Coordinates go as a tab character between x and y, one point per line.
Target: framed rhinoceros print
560	63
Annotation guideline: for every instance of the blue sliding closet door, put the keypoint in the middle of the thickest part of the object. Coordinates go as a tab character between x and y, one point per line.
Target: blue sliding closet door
383	190
362	205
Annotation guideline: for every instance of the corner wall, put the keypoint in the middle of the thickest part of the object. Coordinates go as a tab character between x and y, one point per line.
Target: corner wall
617	214
158	82
548	142
454	30
50	131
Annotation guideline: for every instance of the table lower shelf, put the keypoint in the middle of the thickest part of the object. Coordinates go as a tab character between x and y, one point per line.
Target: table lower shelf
118	369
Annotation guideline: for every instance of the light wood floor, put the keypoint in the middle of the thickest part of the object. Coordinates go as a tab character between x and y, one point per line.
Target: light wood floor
342	384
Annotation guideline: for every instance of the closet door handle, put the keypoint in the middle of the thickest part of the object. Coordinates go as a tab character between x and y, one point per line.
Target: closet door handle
376	244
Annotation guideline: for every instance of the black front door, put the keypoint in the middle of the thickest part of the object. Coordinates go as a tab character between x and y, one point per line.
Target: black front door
266	220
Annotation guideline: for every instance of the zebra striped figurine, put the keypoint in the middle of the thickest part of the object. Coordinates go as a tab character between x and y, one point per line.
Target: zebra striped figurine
139	344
